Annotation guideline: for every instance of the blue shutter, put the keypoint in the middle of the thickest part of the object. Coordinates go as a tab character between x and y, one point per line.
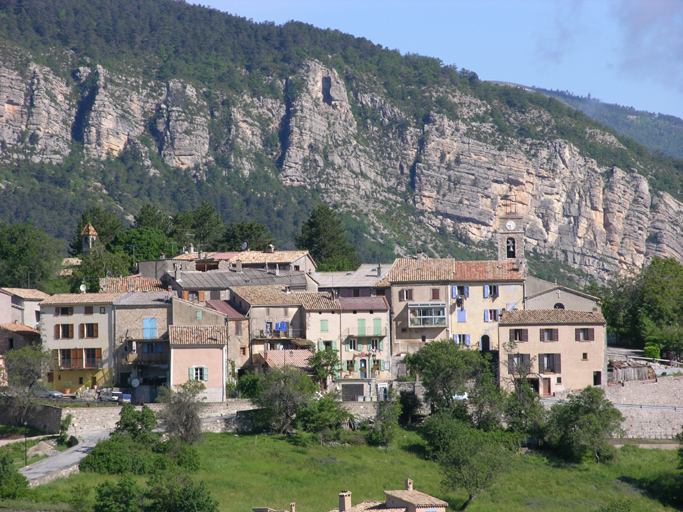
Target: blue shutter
486	315
467	340
454	292
467	292
283	326
346	342
462	315
455	338
486	291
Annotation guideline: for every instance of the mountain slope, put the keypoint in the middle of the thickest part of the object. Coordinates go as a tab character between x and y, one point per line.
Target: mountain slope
133	101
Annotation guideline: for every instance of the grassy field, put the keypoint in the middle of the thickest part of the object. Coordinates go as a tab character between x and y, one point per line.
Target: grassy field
247	471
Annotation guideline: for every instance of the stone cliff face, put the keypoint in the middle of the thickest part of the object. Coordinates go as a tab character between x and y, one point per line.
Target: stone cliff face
438	175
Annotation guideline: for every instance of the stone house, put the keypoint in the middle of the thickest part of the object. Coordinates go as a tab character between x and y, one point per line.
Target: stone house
79	329
199	353
554	349
541	294
358	283
238	335
15	336
24	306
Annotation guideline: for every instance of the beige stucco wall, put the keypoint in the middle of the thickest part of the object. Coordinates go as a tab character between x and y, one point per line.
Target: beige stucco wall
576	372
407	339
571	301
314	332
259	315
213	357
5	308
238	345
24	312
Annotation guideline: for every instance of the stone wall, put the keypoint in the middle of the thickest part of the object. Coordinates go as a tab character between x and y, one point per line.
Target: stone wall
362	410
42	417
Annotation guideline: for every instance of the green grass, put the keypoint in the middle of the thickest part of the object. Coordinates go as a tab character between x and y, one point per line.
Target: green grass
248	471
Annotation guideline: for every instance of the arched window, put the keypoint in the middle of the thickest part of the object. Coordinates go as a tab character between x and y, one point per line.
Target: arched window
511	253
559	305
485	343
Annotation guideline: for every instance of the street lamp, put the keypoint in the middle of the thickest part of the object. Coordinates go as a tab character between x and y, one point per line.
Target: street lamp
25	445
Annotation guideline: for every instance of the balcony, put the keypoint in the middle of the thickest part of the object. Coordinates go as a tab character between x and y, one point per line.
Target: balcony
71	364
368	333
159	357
290	333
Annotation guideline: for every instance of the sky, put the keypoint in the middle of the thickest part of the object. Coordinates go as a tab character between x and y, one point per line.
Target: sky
628	52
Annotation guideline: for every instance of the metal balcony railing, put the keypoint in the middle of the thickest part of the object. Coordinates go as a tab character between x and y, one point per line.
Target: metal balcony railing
370	332
290	333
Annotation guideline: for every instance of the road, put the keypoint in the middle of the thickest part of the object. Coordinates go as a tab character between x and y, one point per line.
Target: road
64	460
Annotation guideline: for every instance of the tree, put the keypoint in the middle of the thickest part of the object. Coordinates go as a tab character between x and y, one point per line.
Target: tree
325	238
470	459
180	415
200	227
582	423
13	484
139	425
99	263
124	496
141	243
24	369
151	217
326	413
383	431
444	368
257	237
250	385
105	223
28	255
286	392
410	404
175	492
487	402
323	364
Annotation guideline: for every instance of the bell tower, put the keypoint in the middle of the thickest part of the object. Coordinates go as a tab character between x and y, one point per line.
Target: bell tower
510	230
88	238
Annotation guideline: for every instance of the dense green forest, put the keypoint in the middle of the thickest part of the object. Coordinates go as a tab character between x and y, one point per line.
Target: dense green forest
225	56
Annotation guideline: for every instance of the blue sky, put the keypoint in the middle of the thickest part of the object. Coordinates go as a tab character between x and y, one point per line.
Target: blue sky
628	52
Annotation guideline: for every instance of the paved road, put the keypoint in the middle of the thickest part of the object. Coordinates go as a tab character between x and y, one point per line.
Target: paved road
65	459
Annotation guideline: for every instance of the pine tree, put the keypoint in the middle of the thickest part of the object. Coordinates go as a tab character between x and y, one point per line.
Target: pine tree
325	238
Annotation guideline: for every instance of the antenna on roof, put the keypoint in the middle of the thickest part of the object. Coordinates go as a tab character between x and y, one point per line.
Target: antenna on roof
244	246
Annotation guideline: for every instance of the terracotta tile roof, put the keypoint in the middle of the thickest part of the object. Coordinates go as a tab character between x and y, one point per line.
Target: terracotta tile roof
254	257
363	303
382	283
406	270
28	293
197	335
223	306
224	255
550	316
82	298
88	230
68	266
20	329
130	284
417	498
191	256
274	295
278	358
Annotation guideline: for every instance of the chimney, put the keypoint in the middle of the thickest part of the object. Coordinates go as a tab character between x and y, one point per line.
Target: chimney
270	248
379	270
292	507
176	268
277	269
344	501
409	484
239	266
199	254
191	248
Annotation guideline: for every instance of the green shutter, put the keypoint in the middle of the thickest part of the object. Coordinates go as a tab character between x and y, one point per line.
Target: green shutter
334	345
321	345
377	326
381	365
381	344
355	365
346	342
324	326
205	374
191	373
361	327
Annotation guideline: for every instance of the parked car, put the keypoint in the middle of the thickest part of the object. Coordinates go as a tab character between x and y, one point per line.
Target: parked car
115	396
48	393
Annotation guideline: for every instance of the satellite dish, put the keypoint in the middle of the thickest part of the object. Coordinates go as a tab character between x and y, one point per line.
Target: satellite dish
244	246
135	383
83	288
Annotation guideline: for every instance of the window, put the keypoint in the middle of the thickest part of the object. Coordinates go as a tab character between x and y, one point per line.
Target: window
88	330
405	294
238	328
65	358
462	315
193	296
356	292
584	334
93	356
102	310
88	310
349	365
559	305
324	325
436	294
200	373
519	334
376	344
585	356
491	290
427	315
491	315
11	343
243	351
149	328
461	290
351	344
361	327
64	311
549	335
462	339
64	331
559	380
549	363
519	363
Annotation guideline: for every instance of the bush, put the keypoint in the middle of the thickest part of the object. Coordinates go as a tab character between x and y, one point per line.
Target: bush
125	496
324	414
250	385
119	455
410	403
13	484
652	350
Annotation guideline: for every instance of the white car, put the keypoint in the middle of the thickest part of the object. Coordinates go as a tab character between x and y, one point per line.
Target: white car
48	393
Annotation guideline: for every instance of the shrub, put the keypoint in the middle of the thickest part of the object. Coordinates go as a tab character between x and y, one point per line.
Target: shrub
324	414
652	350
13	484
410	403
120	455
125	496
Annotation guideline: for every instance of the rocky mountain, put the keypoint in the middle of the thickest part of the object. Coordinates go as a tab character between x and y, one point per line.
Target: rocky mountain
426	165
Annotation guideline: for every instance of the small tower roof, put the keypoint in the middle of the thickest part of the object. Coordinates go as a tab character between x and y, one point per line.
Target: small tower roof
88	230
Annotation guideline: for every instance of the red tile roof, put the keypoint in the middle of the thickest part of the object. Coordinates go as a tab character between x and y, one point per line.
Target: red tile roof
88	230
82	298
20	329
271	258
417	498
406	270
197	335
28	293
130	284
222	306
550	316
275	295
363	303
